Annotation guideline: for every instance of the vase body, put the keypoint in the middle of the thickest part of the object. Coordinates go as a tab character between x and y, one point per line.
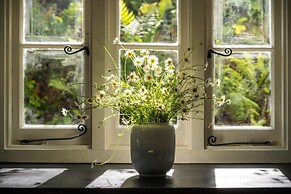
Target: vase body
152	148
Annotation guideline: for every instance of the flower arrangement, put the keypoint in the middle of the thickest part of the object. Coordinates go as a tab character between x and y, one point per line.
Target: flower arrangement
153	91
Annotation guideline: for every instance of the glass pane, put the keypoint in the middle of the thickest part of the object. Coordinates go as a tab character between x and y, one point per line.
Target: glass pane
147	21
49	77
53	20
246	80
242	22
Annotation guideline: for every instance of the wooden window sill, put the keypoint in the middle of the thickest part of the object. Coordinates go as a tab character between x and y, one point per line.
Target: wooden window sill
186	178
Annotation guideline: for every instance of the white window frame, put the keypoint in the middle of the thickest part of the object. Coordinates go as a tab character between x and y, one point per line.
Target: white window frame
17	129
277	130
194	149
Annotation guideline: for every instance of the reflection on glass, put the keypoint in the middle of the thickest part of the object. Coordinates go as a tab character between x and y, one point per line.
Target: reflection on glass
53	21
148	21
242	22
246	80
250	178
49	77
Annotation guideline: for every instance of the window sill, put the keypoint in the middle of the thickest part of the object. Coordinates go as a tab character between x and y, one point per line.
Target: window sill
187	178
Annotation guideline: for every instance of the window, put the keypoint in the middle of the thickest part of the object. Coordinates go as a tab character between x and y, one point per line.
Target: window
250	76
34	62
43	69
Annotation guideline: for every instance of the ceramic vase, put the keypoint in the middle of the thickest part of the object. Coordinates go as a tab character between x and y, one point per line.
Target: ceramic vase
152	148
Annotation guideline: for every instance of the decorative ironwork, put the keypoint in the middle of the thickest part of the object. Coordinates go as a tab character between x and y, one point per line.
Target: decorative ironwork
81	127
227	51
68	50
212	141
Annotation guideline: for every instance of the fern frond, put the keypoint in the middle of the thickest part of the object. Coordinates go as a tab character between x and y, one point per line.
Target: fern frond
126	16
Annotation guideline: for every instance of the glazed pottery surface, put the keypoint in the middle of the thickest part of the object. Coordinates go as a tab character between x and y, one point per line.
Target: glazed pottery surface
152	148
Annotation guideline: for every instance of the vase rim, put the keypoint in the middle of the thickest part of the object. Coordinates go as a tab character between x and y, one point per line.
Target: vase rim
160	123
148	123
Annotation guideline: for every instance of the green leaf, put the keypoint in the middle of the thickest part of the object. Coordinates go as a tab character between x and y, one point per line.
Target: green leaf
126	16
58	84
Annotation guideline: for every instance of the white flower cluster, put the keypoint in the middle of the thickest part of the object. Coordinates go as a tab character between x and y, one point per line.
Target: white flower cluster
151	90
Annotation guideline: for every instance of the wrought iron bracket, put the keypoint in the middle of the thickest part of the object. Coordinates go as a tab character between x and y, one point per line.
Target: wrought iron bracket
68	50
212	142
81	127
227	51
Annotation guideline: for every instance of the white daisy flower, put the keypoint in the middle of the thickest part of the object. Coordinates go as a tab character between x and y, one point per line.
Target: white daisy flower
158	70
153	60
127	92
142	90
133	77
220	101
138	61
129	53
144	52
114	83
168	62
148	77
65	112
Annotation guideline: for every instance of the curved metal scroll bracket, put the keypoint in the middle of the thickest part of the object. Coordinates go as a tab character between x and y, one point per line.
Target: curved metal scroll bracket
227	51
212	142
68	50
81	127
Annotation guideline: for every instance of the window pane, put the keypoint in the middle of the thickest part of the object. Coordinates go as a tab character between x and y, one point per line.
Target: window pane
242	22
147	21
49	77
53	20
245	79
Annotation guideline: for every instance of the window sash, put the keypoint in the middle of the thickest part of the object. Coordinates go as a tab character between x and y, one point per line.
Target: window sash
276	131
17	128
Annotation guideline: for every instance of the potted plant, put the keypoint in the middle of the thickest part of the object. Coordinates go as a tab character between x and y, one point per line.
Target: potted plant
149	99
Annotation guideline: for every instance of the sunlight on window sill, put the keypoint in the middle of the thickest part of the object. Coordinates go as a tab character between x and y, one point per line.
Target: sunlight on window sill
114	178
27	177
250	178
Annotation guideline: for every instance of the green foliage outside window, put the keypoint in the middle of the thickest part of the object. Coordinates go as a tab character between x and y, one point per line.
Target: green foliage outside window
148	21
243	22
46	87
246	81
47	72
54	20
